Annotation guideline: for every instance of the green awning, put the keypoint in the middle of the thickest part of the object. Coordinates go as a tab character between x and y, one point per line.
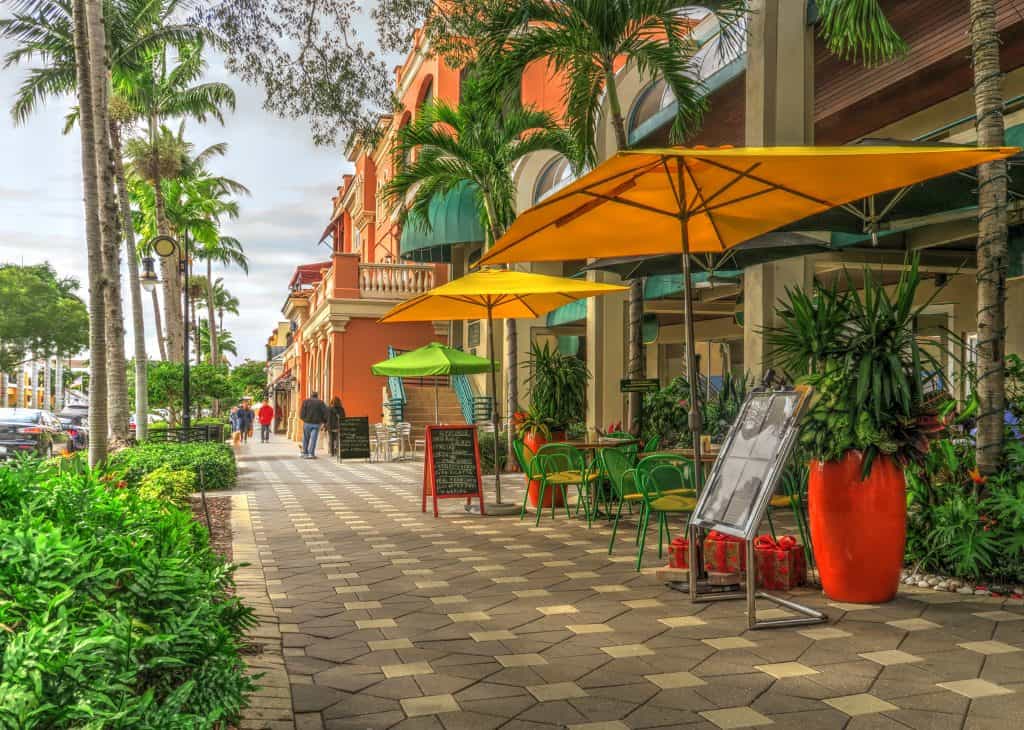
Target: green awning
568	313
454	219
669	285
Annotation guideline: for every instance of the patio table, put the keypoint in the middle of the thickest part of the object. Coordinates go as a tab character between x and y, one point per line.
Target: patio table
589	447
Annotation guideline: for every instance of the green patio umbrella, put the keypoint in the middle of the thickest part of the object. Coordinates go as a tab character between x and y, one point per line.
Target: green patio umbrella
433	359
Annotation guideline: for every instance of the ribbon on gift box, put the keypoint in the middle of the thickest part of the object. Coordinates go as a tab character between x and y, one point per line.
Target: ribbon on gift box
780	562
724	553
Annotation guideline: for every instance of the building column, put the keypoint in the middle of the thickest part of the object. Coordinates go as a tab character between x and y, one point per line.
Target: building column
33	401
779	111
606	343
58	404
46	383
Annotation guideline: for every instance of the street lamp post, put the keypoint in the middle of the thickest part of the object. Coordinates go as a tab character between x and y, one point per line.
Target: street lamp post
165	246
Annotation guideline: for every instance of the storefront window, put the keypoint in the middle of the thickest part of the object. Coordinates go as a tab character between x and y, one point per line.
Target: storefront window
555	176
653	99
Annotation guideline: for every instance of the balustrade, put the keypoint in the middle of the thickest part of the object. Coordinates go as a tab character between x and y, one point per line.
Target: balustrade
394	281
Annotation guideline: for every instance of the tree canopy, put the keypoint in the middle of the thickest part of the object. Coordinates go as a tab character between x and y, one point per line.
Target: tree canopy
41	314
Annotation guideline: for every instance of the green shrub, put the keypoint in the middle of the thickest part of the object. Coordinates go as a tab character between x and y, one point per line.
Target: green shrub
212	463
168	485
158	426
114	610
211	421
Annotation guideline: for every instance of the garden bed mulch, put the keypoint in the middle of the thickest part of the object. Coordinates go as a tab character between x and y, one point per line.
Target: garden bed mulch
220	522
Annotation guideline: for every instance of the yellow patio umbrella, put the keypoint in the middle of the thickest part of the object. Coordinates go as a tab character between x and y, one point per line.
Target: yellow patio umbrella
496	294
705	201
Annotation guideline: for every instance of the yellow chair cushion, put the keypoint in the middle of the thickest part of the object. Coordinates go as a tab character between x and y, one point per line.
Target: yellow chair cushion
674	503
637	497
780	500
569	477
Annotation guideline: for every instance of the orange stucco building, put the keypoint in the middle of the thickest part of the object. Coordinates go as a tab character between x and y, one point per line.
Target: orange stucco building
332	306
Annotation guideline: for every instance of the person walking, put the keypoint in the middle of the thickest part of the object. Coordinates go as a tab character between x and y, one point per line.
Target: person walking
335	413
266	416
245	421
313	415
236	434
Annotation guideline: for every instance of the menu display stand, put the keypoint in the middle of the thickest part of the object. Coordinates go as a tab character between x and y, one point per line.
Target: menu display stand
354	438
451	465
739	488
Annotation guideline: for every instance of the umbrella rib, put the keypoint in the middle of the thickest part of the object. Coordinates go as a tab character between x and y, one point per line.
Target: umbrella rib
740	175
699	194
768	183
635	172
600	198
521	300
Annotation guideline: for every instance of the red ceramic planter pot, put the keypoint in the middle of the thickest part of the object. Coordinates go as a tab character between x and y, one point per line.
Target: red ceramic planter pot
534	440
858	528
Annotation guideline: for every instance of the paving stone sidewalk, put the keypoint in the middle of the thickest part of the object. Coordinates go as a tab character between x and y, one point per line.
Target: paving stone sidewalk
388	618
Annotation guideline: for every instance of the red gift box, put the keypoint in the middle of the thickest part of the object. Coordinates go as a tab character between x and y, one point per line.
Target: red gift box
724	553
679	553
780	563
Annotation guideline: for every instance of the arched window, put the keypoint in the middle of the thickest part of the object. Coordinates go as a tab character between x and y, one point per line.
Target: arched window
426	93
555	176
653	99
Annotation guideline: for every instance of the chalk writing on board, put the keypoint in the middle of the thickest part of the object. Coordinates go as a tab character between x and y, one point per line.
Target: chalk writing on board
355	438
454	461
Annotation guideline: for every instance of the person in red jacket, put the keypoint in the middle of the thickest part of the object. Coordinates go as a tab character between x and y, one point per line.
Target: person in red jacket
266	417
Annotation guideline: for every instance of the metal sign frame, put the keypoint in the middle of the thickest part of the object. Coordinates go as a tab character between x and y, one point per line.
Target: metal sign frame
756	515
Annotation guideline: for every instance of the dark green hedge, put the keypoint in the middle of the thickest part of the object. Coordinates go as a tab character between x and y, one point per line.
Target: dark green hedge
212	463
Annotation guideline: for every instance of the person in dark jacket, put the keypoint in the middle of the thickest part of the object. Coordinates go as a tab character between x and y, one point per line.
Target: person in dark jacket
334	415
245	421
313	415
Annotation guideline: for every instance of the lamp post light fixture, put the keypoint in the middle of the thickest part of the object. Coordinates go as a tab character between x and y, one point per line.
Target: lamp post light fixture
165	246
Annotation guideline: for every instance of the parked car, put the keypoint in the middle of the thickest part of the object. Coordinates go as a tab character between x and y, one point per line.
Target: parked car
24	430
77	427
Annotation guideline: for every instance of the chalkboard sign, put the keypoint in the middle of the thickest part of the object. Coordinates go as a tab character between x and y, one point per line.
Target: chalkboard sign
451	467
354	441
750	462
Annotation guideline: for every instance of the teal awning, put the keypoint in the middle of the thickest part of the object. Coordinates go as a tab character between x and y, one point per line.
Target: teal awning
568	313
454	219
669	285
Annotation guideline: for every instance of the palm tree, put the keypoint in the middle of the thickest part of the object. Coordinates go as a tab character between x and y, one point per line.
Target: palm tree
135	30
479	142
853	27
158	93
992	237
585	41
225	343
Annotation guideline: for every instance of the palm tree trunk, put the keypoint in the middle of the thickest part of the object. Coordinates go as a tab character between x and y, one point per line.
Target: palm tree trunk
138	327
212	326
97	277
110	235
635	357
168	264
158	325
992	232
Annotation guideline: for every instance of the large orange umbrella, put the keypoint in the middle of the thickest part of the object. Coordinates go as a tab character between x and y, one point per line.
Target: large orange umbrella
705	201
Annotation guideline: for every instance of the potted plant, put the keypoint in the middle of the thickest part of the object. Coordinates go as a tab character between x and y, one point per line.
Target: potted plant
870	417
558	398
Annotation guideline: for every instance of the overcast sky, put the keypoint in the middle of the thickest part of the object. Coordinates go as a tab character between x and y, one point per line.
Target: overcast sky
41	213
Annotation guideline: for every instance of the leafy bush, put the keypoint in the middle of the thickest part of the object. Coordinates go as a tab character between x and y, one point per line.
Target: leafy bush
558	385
961	523
212	463
168	485
115	612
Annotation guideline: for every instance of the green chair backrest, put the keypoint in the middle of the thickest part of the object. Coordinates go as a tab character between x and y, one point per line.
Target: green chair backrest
661	472
558	457
525	456
619	469
652	444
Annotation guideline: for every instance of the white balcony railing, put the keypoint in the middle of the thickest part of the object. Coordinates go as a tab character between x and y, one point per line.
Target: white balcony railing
394	281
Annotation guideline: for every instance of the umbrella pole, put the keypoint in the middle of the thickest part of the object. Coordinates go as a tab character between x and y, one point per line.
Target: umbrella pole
691	357
494	408
437	419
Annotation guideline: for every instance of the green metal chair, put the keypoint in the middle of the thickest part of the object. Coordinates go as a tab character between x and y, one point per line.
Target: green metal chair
621	474
652	444
563	466
530	466
666	483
